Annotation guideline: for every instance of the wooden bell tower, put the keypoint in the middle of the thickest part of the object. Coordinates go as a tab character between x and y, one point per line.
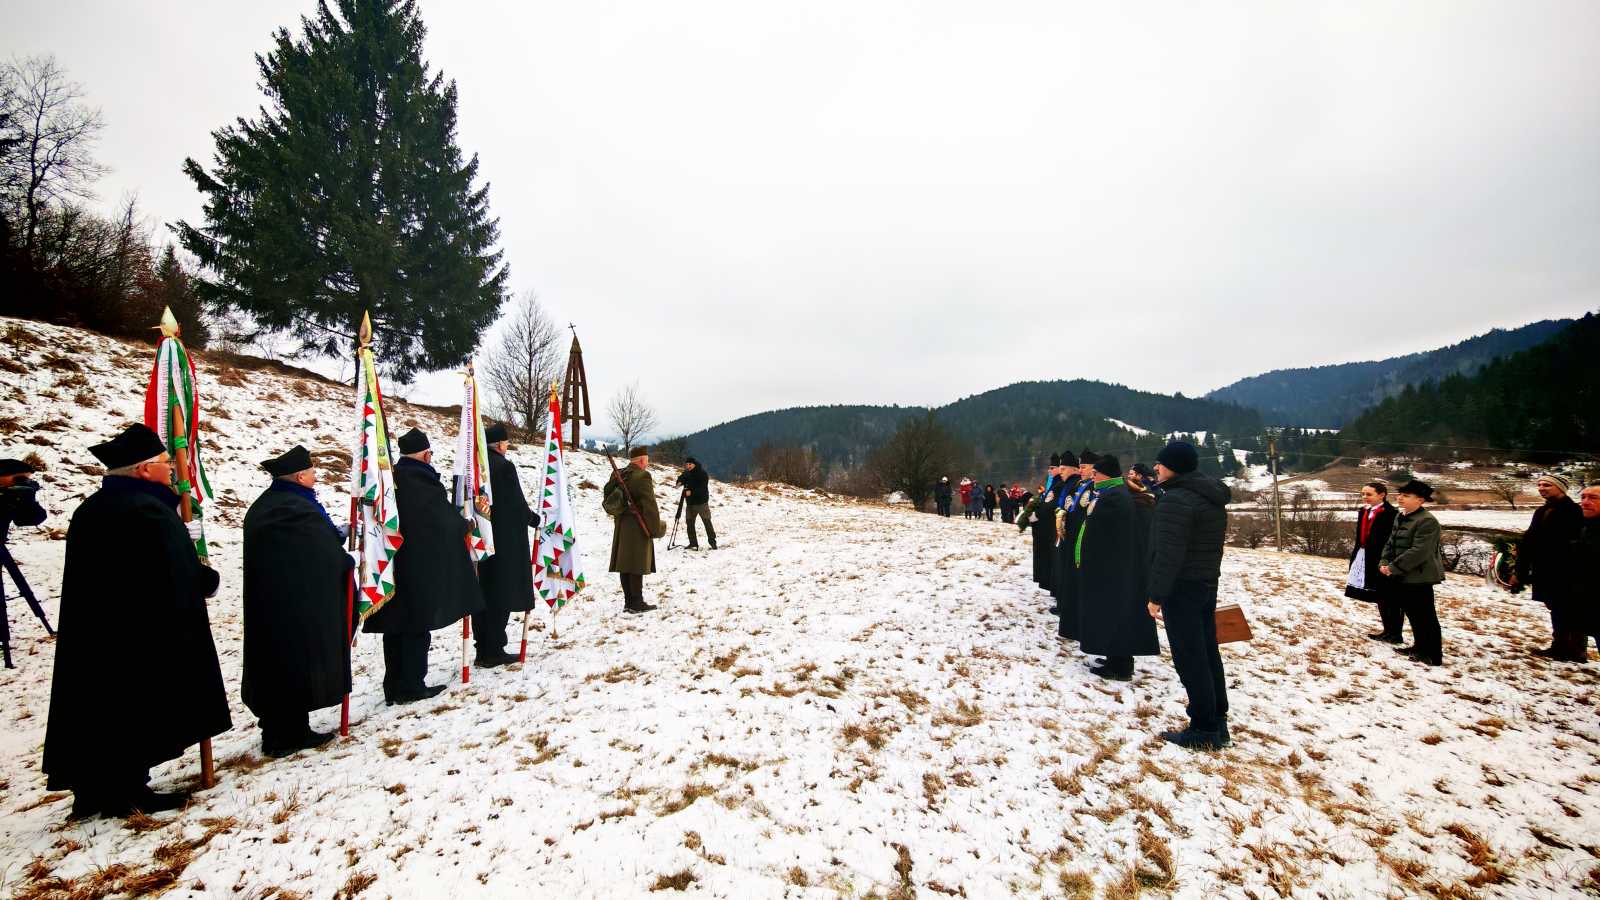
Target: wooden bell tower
575	396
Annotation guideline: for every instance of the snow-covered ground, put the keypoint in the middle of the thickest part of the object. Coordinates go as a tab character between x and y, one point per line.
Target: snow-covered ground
846	700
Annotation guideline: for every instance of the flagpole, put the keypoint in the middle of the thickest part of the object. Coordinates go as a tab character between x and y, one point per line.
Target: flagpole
354	541
178	430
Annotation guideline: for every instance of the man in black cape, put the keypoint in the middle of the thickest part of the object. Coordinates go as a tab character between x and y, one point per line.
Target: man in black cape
136	677
1113	620
507	576
1078	493
296	592
1035	515
434	584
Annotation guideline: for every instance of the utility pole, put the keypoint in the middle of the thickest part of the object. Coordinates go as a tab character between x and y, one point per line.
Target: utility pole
1277	500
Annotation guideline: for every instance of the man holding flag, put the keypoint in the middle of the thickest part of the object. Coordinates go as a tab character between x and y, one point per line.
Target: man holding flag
434	585
507	576
136	676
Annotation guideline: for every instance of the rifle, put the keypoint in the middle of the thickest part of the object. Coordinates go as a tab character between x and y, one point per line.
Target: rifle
627	498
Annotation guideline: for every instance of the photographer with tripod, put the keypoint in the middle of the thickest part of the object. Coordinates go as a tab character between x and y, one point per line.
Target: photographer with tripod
18	503
696	486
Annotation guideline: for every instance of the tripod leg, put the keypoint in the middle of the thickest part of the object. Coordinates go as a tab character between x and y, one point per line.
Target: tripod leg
25	590
5	624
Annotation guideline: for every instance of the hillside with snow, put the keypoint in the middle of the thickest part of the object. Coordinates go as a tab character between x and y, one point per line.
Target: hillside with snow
848	699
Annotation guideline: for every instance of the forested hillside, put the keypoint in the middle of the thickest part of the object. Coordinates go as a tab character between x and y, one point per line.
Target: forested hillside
1008	431
1541	399
1330	396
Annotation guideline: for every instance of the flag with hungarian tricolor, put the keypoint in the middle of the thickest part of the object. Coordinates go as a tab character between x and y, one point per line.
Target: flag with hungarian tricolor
377	517
172	410
557	565
472	471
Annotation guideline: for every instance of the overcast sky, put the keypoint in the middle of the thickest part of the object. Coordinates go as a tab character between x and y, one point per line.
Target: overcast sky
749	206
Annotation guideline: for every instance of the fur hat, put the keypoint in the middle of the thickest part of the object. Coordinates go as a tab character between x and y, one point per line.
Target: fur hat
1069	459
1055	460
636	452
1087	457
14	467
1108	466
496	433
1179	456
413	441
1416	489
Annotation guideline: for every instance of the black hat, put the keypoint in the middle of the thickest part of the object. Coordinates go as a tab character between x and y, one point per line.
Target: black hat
495	433
1416	489
1087	457
1179	456
1069	459
1143	470
1055	460
296	460
690	459
413	441
14	467
1108	466
636	452
134	445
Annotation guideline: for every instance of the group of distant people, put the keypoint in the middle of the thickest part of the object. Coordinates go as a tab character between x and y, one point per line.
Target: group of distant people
979	501
1397	560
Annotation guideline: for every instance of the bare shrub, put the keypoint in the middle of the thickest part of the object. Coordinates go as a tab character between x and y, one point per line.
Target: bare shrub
797	466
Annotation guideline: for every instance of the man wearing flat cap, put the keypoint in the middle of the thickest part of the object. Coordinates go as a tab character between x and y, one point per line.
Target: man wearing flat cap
19	503
1110	557
635	526
136	676
1541	564
435	586
296	579
507	576
1412	563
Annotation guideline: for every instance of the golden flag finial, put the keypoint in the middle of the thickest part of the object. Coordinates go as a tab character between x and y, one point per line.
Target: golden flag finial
365	333
169	323
555	390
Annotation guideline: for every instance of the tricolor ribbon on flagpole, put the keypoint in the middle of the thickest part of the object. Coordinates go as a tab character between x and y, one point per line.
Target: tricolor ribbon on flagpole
557	564
172	410
472	487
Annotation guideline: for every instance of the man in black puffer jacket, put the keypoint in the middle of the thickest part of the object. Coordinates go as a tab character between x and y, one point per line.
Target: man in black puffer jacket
1191	523
696	484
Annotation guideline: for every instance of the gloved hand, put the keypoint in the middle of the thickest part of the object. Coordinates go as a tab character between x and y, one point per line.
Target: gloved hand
194	528
344	531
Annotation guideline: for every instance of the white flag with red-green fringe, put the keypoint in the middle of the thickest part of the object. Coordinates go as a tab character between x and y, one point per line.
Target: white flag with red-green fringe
557	564
172	410
472	472
377	521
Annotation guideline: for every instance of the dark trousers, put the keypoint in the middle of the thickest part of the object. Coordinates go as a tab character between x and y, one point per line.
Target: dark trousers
1190	612
282	729
703	511
489	631
1119	665
1393	616
943	506
1417	601
988	513
405	662
632	589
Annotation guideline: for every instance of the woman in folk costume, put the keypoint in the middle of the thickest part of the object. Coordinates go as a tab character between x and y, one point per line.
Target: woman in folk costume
1374	521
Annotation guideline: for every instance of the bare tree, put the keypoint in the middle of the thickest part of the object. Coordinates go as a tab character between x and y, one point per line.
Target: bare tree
630	415
53	161
796	466
914	458
1506	489
522	366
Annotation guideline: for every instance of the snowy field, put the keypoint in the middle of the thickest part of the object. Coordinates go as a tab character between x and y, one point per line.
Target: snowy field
848	700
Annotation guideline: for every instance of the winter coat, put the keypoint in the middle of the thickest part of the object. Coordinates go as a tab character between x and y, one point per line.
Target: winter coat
296	574
1375	584
697	484
1110	558
1542	550
1586	553
989	498
434	583
966	493
941	491
1039	514
20	504
1072	502
1186	537
136	678
633	551
1413	549
506	578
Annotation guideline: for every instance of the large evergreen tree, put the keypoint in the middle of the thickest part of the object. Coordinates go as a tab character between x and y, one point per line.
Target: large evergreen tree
349	194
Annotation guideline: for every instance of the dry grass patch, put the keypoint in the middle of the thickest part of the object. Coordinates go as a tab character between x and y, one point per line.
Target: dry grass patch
1076	884
873	734
677	881
686	797
965	715
356	883
932	788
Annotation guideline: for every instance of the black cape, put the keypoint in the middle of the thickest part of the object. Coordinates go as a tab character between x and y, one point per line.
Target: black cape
1065	582
507	576
1113	619
434	584
296	573
136	677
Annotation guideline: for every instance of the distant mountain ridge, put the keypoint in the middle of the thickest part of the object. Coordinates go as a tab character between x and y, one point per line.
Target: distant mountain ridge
1011	429
1330	396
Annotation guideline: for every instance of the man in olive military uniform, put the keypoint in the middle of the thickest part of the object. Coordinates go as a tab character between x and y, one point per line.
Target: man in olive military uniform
435	586
507	576
136	679
630	501
296	582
